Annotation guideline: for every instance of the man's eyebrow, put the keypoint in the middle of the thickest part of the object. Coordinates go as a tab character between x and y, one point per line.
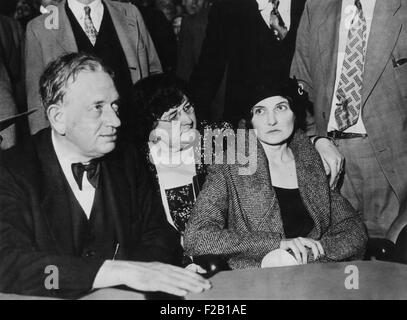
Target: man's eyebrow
98	102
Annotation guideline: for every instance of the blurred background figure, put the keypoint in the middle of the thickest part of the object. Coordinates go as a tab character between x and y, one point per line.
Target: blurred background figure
191	37
12	91
241	41
25	11
7	107
194	6
161	32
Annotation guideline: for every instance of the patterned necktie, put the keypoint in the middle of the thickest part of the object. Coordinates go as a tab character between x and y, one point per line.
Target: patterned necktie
90	29
92	173
277	22
349	93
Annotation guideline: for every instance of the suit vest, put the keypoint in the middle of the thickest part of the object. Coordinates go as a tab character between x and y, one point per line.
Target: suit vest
96	237
107	48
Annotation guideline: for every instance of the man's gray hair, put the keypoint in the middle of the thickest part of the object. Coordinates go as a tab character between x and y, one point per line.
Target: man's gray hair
57	75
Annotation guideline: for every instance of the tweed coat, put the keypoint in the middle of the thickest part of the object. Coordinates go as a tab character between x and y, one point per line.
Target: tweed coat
238	216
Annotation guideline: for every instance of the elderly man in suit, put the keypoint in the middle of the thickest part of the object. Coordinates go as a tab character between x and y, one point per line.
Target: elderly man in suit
351	57
113	31
73	202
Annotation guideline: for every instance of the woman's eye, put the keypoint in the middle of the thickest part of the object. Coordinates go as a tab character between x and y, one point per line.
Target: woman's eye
258	111
281	107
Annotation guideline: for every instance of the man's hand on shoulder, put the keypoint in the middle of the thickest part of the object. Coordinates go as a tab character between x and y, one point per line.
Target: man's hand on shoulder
332	159
150	276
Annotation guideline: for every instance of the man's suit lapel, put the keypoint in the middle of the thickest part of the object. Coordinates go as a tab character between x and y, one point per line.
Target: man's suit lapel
64	34
53	196
116	198
328	41
384	32
122	26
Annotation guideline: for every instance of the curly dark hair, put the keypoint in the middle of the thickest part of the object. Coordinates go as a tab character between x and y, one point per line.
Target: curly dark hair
153	96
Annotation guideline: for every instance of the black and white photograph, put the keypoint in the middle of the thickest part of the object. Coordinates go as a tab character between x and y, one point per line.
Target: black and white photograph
203	154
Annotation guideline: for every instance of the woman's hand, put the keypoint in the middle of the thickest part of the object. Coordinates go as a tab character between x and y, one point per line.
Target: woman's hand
299	247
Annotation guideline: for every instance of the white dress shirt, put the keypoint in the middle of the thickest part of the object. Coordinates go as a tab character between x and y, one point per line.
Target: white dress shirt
347	14
284	9
66	157
96	12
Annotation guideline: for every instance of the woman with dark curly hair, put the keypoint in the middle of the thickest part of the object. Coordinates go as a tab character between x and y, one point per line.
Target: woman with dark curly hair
174	143
282	213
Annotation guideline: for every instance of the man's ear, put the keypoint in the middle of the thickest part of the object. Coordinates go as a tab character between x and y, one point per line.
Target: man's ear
56	117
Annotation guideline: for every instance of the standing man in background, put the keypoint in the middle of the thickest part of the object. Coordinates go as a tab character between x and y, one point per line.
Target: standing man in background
351	57
112	31
242	40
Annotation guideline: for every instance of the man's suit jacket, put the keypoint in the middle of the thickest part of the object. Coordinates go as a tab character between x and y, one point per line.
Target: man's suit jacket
384	94
238	216
44	44
239	42
36	223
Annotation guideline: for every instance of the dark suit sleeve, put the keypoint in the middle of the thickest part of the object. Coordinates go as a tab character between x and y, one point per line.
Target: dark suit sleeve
159	240
207	231
300	67
185	54
22	264
34	66
208	73
154	64
346	236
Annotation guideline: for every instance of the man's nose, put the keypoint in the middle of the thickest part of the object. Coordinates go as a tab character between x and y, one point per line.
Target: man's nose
111	117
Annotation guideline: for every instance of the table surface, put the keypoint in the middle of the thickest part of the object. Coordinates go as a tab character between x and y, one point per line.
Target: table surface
376	280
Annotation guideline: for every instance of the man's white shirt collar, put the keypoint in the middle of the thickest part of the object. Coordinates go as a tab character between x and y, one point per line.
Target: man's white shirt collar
284	9
96	12
66	157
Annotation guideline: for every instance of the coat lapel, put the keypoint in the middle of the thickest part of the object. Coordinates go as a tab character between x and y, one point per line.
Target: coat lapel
328	41
64	35
53	196
384	32
258	199
310	174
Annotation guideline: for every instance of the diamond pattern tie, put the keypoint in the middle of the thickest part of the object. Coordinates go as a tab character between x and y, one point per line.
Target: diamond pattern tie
277	22
90	29
349	92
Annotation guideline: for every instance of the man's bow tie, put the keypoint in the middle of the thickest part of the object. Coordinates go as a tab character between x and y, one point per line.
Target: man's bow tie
92	172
